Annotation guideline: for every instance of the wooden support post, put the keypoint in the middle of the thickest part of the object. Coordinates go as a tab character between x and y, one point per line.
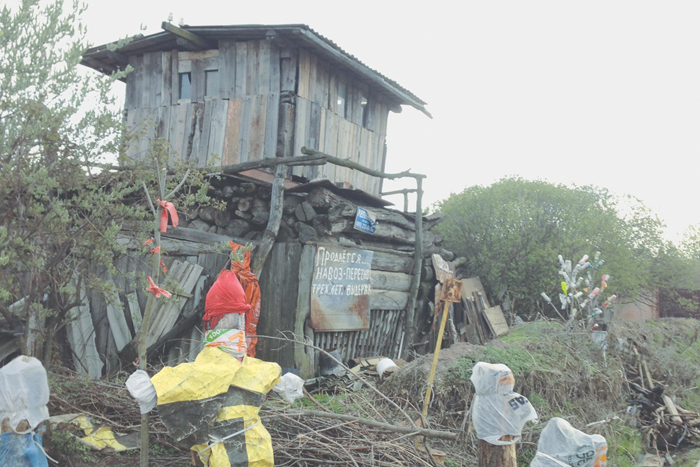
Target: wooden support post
409	324
273	224
448	295
490	455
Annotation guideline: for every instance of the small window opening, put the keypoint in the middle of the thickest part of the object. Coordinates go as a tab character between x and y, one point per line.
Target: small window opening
364	104
211	83
185	85
342	96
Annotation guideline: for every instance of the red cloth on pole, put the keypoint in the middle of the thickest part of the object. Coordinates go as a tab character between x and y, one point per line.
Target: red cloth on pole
225	296
249	281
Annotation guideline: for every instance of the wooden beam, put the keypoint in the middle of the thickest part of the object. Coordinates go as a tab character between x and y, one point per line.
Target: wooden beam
358	167
267	163
194	39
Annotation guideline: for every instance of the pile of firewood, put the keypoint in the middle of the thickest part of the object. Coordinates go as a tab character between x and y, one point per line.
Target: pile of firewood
320	215
662	421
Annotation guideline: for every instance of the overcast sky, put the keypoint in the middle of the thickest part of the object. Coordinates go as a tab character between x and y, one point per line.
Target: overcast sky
604	93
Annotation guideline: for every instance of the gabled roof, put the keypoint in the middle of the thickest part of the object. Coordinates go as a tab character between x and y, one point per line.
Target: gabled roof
103	59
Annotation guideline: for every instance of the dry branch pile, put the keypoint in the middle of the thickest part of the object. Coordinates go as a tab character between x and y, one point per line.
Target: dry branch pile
664	423
312	441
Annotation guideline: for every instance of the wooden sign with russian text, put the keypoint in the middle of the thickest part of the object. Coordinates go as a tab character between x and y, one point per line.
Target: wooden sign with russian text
340	289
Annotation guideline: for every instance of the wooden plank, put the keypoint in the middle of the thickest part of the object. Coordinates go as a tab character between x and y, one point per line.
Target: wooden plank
189	126
205	133
227	68
162	120
498	323
156	80
166	79
117	321
331	142
321	84
264	64
304	71
184	66
217	133
388	299
256	134
333	91
303	115
244	134
178	116
81	337
275	77
145	81
271	125
197	81
232	134
167	316
132	148
241	72
132	302
252	68
314	133
132	99
173	118
313	66
195	145
390	280
288	70
321	171
174	77
202	55
359	178
303	361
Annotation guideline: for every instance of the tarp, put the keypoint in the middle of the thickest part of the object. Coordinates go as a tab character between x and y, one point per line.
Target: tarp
214	397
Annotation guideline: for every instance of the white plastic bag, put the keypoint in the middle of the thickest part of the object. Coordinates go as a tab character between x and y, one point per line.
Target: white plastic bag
572	447
496	409
543	460
24	392
141	388
290	387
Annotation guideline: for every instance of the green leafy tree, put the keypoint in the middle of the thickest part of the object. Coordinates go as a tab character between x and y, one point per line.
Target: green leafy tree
59	211
512	232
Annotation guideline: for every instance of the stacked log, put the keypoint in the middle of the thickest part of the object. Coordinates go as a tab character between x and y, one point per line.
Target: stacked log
320	215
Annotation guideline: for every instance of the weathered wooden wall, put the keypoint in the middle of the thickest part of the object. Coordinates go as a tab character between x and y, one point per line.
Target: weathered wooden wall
279	287
116	321
271	101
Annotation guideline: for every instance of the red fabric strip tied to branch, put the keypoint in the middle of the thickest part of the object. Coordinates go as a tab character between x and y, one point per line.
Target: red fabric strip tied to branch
155	250
154	289
168	210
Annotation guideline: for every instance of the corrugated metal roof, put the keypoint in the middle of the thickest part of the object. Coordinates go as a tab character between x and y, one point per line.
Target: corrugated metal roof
301	35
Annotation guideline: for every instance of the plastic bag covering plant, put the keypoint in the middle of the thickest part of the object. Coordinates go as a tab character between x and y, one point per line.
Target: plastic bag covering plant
562	444
24	392
496	409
